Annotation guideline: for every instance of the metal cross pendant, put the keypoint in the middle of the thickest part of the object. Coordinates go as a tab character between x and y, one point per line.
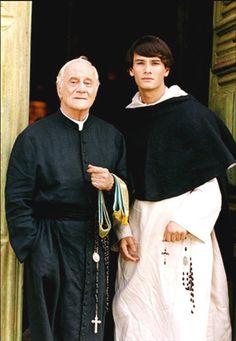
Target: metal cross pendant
96	321
165	253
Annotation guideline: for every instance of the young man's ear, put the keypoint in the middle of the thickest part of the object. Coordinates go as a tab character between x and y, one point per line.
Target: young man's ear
167	72
131	72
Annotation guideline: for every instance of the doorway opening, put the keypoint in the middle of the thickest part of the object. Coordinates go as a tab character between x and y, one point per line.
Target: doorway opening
73	28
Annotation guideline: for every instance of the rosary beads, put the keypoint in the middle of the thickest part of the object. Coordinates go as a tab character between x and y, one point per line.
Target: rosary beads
187	276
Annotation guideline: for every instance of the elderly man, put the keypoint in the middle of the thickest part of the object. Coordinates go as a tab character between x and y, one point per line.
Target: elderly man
56	169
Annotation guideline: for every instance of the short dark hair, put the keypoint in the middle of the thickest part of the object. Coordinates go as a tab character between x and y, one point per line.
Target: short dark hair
149	46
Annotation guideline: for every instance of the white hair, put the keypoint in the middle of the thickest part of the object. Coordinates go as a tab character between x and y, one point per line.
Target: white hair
80	59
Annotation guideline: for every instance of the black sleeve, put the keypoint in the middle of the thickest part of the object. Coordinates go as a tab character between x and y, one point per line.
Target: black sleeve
20	183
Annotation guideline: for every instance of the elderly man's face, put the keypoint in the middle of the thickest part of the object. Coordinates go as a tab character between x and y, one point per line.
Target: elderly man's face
78	88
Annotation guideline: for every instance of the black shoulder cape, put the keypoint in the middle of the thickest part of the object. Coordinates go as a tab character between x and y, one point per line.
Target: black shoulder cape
175	146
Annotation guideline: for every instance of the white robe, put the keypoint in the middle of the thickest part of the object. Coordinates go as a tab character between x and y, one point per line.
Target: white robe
151	302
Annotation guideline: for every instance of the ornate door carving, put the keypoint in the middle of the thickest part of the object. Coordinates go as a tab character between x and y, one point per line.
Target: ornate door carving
222	97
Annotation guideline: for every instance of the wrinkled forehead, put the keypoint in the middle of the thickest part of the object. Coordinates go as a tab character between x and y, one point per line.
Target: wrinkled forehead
80	68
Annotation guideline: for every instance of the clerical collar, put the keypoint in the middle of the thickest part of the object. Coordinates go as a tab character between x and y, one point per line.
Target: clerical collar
80	123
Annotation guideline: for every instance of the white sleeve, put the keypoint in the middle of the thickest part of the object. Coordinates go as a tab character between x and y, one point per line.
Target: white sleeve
200	210
121	231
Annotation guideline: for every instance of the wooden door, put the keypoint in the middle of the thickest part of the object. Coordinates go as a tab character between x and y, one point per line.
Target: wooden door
222	100
222	90
15	61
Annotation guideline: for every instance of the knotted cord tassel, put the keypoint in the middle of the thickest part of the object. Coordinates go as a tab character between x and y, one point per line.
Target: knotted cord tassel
120	207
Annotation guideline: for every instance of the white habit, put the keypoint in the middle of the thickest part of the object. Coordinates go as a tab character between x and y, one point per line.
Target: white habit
153	300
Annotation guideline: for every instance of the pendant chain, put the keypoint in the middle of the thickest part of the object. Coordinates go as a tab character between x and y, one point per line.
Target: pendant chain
105	245
187	271
187	274
96	259
96	254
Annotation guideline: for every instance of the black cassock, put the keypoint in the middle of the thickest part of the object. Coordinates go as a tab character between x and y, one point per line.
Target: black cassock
51	214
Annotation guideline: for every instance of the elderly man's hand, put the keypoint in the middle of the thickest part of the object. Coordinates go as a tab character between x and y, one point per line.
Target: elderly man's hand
101	178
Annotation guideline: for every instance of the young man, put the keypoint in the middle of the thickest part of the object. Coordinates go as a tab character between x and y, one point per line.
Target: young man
175	289
56	168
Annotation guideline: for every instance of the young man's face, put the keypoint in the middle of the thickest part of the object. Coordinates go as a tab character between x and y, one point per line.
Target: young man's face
149	72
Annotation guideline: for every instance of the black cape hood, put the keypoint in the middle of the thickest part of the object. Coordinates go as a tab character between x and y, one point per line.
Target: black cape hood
175	146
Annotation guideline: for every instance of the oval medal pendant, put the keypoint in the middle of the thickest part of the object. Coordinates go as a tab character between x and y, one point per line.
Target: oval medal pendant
185	260
96	257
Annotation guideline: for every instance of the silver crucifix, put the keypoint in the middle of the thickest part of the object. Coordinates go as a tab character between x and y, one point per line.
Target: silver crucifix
96	321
